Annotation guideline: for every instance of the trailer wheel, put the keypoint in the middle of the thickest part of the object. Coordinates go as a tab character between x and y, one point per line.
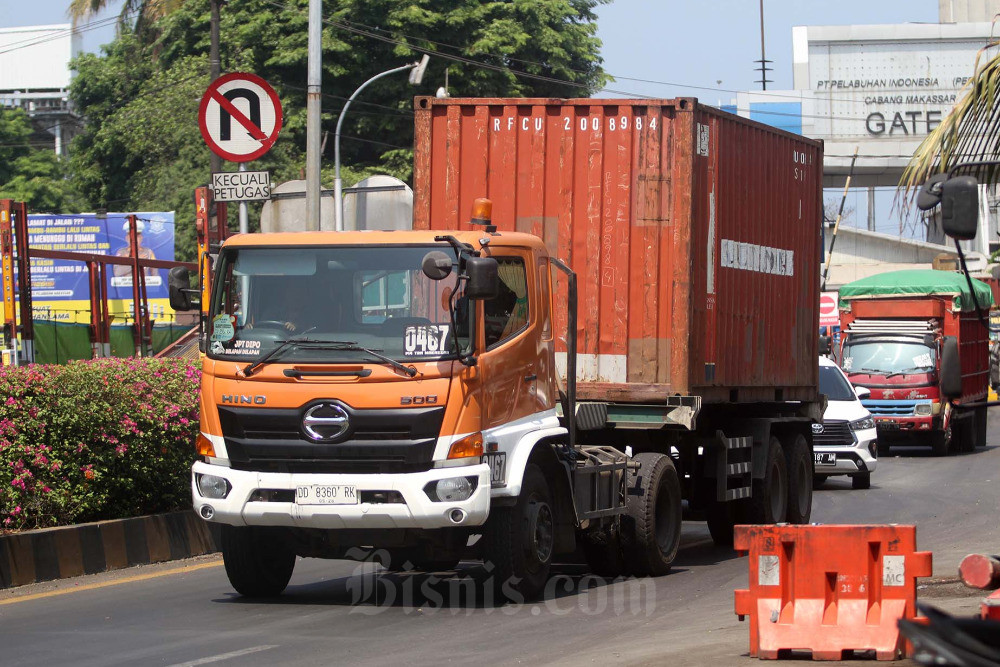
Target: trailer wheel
651	525
604	554
799	462
257	561
520	540
981	417
768	502
721	518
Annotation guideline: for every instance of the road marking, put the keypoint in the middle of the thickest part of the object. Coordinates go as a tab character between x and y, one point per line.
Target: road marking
226	656
116	582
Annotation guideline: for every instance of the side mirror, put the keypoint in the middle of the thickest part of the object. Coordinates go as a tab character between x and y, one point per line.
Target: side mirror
862	392
826	345
951	368
179	289
436	265
484	278
960	207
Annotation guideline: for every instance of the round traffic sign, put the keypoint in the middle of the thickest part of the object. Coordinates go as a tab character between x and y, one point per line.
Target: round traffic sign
828	313
240	116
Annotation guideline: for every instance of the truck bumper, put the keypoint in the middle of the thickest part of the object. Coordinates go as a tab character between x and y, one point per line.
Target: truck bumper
268	499
891	425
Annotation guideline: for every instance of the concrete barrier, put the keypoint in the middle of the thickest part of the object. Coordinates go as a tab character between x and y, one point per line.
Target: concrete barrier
89	548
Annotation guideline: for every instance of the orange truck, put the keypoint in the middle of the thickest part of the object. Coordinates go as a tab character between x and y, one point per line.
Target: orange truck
408	391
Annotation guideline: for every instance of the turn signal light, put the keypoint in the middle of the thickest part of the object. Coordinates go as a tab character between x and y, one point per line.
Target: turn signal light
205	446
470	445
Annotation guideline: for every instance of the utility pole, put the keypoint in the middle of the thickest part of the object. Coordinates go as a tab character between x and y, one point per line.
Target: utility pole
764	69
313	111
215	70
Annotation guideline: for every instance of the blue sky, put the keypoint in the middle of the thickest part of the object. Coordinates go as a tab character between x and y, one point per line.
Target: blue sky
692	45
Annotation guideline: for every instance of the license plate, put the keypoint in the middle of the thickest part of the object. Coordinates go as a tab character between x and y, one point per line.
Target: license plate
886	425
825	459
326	494
498	467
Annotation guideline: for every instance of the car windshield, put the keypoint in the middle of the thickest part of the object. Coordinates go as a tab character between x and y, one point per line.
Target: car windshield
346	301
833	383
888	356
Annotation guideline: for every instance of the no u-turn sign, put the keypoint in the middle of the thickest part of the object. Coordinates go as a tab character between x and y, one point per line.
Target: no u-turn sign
240	117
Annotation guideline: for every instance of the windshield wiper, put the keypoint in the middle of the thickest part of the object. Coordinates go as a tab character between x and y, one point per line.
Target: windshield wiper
869	371
282	345
351	346
909	370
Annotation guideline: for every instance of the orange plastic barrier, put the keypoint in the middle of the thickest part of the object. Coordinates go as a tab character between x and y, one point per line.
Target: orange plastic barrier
829	589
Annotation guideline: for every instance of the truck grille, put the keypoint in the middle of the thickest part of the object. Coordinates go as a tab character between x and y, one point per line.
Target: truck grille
890	408
377	441
835	434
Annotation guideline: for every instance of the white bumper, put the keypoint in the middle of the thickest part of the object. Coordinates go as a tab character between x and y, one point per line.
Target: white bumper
848	457
417	510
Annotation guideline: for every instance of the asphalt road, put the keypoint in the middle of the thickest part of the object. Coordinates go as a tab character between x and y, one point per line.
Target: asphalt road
340	612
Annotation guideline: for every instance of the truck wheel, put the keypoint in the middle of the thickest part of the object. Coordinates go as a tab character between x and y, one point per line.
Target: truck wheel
941	441
258	562
604	554
651	525
520	540
981	416
861	480
799	462
970	435
882	446
768	502
721	517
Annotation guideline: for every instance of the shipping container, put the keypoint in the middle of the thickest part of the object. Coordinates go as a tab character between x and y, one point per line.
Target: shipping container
694	234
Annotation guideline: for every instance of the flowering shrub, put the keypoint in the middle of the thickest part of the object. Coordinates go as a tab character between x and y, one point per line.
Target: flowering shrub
91	440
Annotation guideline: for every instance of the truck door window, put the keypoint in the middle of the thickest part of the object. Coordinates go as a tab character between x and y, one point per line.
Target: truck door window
507	314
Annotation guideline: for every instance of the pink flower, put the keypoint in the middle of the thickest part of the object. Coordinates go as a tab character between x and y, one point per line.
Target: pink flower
184	420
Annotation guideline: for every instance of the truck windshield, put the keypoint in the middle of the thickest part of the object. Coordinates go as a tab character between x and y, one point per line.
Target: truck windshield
369	297
887	357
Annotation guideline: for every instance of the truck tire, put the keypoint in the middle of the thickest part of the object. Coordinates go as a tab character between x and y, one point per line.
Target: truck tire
861	480
604	554
520	540
721	517
882	446
969	434
768	502
258	562
981	424
799	463
651	525
941	441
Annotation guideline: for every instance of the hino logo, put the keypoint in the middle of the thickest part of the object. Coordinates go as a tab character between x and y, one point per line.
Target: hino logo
325	422
243	399
817	428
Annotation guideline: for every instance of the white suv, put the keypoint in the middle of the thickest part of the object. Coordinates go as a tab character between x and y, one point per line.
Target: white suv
845	443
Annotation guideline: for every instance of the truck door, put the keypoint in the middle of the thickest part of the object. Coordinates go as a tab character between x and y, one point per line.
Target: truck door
507	362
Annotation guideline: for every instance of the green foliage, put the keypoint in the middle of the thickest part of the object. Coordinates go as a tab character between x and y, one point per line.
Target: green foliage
142	150
94	440
28	174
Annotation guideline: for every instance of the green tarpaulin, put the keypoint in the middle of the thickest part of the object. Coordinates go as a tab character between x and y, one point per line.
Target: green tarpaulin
919	282
59	342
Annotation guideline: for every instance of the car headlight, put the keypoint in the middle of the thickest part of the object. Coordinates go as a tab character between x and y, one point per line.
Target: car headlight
212	486
923	409
862	424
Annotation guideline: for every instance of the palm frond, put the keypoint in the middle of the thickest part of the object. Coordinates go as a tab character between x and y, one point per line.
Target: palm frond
970	131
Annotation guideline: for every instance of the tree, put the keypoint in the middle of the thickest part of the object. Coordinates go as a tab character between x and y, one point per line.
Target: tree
970	131
30	174
146	12
142	149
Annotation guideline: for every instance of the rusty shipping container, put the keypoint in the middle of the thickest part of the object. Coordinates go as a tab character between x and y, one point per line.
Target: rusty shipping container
695	234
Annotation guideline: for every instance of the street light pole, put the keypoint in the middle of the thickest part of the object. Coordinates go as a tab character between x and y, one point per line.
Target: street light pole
416	76
313	110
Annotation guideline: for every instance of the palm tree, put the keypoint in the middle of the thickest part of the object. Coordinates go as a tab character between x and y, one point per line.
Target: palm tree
970	131
146	12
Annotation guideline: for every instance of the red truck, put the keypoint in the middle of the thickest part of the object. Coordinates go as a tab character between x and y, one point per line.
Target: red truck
919	341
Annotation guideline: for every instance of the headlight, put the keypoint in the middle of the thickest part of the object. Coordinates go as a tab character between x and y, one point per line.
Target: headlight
862	424
452	489
212	486
923	409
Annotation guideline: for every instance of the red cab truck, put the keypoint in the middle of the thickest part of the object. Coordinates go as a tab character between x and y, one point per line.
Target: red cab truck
917	342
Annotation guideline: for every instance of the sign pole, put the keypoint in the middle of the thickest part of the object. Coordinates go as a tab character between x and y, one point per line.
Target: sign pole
244	222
